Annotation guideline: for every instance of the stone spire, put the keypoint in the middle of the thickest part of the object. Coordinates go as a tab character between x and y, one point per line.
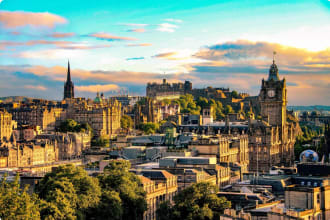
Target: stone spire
68	85
68	79
273	71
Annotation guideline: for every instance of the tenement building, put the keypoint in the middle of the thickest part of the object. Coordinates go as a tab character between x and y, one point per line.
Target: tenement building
6	125
272	139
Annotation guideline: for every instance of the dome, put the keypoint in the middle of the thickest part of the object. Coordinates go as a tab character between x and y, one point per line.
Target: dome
309	156
98	99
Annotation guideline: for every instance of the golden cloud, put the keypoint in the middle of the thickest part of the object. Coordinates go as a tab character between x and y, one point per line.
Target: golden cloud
98	88
106	36
20	18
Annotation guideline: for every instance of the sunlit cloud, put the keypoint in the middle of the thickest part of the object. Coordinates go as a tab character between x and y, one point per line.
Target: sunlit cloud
41	88
61	35
98	88
9	19
110	37
137	30
167	27
139	45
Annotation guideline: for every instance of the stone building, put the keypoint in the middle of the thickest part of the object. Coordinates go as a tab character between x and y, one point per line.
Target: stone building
160	186
167	90
36	115
27	154
155	194
103	115
272	139
6	125
70	145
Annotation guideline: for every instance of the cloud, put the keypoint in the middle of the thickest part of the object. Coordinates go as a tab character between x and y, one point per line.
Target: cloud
98	88
182	55
20	19
139	45
64	47
41	88
167	55
166	27
109	37
260	53
61	35
135	58
1	1
137	30
135	25
173	20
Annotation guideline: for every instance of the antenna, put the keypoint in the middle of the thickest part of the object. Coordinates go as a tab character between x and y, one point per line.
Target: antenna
274	53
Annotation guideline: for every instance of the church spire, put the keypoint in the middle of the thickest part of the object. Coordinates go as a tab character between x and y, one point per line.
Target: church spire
68	85
68	79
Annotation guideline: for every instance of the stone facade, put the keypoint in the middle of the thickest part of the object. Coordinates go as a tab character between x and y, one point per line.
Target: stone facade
160	186
6	125
27	154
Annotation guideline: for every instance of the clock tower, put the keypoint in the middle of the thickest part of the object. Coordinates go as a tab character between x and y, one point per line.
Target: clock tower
273	99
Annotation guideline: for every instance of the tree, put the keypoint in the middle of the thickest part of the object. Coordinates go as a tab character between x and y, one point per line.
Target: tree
71	125
196	202
17	203
102	141
117	178
149	127
228	109
126	122
68	191
234	94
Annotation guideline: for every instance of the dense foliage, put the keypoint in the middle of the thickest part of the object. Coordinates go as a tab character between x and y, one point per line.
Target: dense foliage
17	203
304	141
69	193
122	194
126	122
102	141
149	127
71	125
197	202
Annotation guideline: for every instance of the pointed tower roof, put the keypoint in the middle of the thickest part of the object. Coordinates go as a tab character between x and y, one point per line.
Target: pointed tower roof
68	79
273	70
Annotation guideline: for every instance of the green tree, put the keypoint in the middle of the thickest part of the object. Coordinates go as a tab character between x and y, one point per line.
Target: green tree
117	178
228	109
17	203
71	125
70	190
126	122
234	94
102	141
202	102
197	202
149	127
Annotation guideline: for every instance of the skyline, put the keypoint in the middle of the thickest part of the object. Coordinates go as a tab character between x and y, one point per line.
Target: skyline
114	45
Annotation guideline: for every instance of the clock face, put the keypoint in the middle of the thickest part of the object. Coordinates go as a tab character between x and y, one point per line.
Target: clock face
271	93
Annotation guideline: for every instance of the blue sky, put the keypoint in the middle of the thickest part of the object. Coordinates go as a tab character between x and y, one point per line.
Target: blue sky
122	45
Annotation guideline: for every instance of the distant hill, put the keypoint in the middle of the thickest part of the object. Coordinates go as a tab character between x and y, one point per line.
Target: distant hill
14	98
310	108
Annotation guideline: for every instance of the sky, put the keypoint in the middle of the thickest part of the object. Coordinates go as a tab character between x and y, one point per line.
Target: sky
117	47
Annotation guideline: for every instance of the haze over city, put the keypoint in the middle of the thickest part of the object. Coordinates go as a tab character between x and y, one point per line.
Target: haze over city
116	46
